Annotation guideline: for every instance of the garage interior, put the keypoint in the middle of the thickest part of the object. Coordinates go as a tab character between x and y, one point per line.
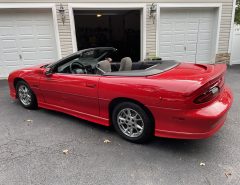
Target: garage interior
110	28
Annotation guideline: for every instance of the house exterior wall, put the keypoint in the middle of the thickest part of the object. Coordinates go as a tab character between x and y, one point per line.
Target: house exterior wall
65	29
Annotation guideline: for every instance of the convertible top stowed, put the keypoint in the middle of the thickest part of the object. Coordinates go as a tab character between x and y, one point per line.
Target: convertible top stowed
155	68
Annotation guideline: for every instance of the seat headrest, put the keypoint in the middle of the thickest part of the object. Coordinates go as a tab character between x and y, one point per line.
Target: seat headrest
104	66
126	64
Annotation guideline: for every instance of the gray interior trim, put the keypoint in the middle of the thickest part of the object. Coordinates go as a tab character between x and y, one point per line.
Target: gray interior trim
160	67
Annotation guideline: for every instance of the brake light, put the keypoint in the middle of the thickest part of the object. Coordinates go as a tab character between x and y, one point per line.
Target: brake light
208	95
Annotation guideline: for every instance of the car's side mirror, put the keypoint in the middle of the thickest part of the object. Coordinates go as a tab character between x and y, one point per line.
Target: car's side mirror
48	72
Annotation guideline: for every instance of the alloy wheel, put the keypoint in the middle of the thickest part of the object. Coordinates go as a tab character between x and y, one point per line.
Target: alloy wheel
130	122
24	95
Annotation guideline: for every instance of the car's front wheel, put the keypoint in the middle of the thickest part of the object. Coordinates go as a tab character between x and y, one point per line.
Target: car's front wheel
26	96
132	122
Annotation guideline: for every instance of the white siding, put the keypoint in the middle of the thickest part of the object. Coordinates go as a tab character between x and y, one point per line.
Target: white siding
65	32
150	36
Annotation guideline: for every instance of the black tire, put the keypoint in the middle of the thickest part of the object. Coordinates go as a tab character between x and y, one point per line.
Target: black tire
33	103
148	125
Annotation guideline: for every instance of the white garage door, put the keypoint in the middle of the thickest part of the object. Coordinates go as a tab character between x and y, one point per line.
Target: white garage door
188	35
235	54
26	39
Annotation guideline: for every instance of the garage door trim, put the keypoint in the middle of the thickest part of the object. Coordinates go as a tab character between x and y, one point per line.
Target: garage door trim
187	5
105	6
51	6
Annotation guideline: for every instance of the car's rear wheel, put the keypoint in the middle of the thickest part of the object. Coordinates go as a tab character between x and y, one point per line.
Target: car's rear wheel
26	96
132	122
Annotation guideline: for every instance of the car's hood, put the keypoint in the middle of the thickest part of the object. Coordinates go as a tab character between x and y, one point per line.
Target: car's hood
27	71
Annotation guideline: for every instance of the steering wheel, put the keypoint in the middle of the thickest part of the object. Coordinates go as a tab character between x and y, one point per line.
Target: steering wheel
79	65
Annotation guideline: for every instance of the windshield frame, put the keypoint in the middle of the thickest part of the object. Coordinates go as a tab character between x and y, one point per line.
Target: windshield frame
79	54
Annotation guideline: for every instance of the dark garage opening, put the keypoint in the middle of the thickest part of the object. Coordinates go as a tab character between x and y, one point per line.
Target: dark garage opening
109	28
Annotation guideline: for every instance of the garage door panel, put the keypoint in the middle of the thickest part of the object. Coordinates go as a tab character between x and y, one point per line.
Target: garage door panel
207	14
205	26
9	44
29	55
179	48
26	38
191	37
11	68
44	30
191	57
205	36
191	47
193	15
166	26
9	52
192	32
27	63
45	42
192	26
202	57
28	43
179	37
166	48
25	30
42	16
166	38
46	55
203	47
41	21
6	30
178	14
180	26
10	58
179	57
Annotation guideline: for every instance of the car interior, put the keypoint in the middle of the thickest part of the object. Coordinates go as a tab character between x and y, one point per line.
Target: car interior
102	61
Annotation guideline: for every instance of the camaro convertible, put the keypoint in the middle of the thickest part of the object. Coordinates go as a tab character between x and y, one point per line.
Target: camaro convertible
140	99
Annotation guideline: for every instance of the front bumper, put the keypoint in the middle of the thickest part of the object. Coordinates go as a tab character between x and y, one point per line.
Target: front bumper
194	123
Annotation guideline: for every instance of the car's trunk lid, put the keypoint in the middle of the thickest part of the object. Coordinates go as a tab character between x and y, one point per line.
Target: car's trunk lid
195	76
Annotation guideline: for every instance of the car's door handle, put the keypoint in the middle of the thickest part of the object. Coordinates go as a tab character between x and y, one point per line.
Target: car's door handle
90	85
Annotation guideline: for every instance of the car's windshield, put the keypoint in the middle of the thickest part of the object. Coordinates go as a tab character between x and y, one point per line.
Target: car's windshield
91	56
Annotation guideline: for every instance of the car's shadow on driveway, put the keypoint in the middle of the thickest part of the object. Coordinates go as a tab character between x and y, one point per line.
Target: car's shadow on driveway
177	146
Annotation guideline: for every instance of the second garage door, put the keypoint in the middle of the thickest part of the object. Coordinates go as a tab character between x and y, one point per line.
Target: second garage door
188	35
26	38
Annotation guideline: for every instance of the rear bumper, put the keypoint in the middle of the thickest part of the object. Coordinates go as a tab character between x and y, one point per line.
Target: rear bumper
194	123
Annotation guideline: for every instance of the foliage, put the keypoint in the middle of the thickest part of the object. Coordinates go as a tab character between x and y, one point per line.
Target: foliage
237	13
153	57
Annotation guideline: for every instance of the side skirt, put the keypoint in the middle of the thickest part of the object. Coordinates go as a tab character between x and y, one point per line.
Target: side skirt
81	115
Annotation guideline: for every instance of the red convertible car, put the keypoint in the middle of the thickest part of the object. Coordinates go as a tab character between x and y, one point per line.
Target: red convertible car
140	99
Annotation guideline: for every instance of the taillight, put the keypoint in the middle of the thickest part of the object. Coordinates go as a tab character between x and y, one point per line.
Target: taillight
208	95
